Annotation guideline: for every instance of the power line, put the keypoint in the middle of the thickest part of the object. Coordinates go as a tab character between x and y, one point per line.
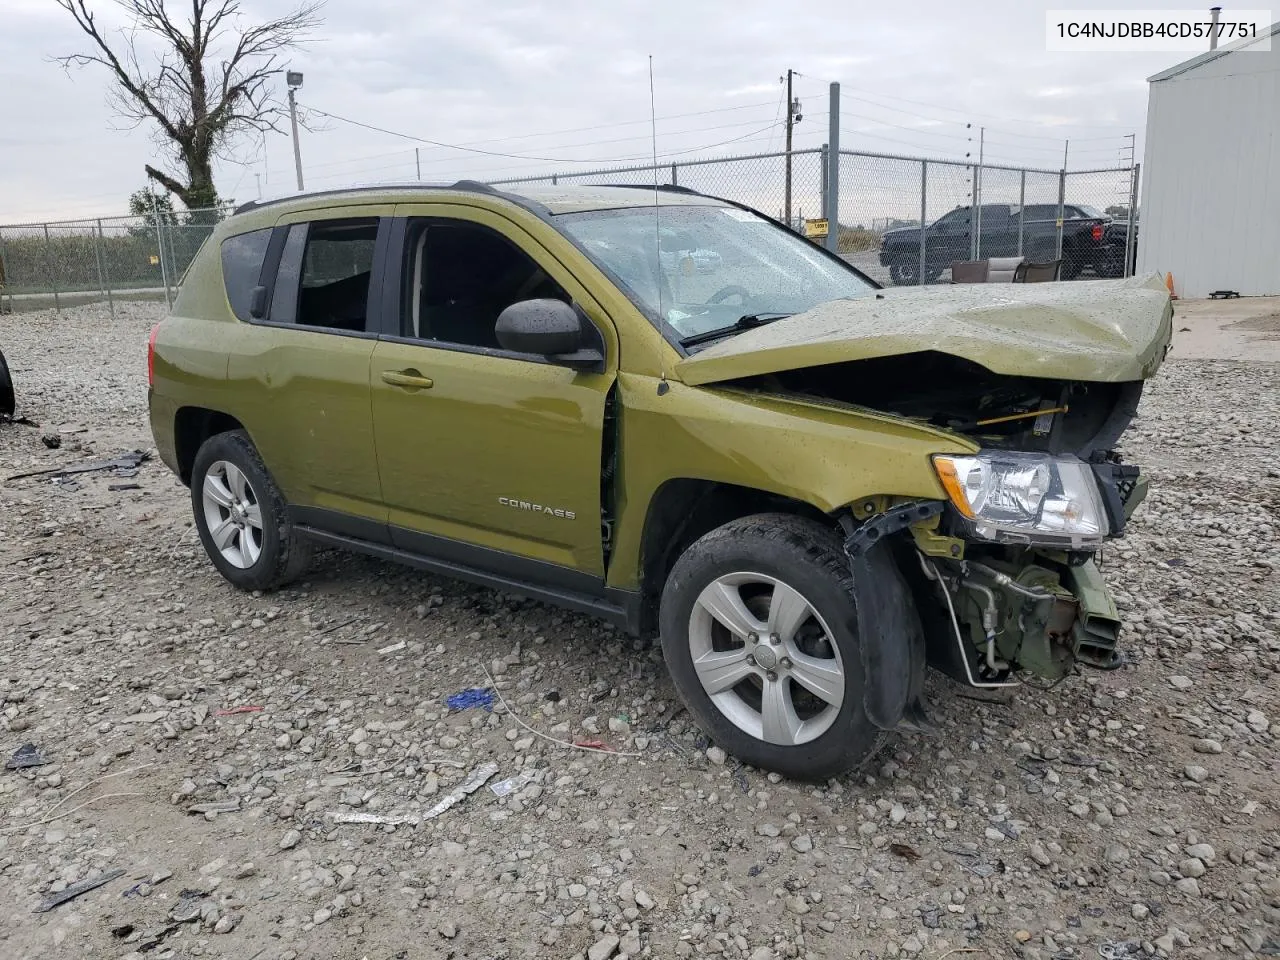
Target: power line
557	146
966	113
519	156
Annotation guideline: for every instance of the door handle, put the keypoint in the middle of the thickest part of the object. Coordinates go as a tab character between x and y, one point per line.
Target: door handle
410	379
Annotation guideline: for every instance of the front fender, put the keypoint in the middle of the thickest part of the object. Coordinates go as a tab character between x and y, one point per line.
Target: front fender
824	454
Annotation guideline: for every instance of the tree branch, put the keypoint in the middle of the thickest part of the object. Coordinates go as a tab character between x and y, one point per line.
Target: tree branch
211	83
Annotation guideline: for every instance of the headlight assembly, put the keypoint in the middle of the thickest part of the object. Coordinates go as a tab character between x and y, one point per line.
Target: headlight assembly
1025	497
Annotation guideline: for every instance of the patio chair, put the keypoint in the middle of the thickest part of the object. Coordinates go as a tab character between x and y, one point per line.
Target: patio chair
969	271
1039	272
1003	269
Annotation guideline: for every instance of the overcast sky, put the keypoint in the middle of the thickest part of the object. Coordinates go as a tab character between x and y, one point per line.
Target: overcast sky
568	81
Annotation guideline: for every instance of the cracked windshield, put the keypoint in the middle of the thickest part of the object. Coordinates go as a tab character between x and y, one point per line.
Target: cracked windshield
716	269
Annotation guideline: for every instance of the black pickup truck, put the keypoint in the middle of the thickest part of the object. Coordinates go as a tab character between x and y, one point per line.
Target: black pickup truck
948	239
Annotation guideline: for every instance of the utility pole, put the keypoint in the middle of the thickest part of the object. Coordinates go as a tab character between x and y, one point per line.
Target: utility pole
294	81
791	113
417	162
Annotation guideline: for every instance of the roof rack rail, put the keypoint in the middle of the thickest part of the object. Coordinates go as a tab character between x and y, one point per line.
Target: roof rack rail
475	185
662	187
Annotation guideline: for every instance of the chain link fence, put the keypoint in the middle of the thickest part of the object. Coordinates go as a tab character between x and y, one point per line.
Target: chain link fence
901	220
103	260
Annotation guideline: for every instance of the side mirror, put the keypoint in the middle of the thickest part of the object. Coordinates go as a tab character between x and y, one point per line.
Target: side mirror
549	328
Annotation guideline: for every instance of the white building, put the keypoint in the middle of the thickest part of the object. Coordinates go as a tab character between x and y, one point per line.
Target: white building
1210	210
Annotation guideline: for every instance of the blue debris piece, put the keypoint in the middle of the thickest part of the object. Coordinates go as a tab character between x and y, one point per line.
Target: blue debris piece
472	697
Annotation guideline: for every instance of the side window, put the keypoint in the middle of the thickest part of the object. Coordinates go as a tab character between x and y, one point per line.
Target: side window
323	278
459	276
242	257
955	219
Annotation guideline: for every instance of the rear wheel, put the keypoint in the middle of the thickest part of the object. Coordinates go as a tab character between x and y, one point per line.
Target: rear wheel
760	634
908	274
240	515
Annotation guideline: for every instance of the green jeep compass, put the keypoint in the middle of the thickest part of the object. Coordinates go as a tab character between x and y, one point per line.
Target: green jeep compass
671	412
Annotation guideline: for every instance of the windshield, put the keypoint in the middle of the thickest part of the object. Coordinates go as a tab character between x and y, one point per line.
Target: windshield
713	265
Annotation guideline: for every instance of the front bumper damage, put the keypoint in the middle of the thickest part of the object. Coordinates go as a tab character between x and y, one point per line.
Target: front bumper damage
979	612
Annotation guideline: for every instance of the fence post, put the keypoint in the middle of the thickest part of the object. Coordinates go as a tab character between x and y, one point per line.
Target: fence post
48	260
823	191
1062	202
924	196
1022	207
4	277
673	175
164	274
103	277
173	261
831	194
1130	237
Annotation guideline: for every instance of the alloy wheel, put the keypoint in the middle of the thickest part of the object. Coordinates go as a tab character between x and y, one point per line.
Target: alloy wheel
232	514
766	658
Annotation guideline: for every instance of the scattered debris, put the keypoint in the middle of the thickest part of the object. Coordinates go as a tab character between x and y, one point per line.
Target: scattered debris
51	440
510	785
471	697
218	806
144	717
243	708
190	903
125	465
393	647
904	851
338	626
474	781
78	889
593	745
27	755
378	818
119	487
1119	949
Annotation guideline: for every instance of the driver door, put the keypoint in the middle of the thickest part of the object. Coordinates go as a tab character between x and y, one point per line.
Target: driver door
485	454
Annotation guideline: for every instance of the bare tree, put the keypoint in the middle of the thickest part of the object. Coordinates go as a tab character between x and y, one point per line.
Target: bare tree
208	84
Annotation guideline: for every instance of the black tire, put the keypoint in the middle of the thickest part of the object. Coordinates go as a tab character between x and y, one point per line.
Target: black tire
908	274
7	402
807	556
285	554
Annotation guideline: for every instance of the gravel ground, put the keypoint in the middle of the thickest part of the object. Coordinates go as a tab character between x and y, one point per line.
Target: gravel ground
210	743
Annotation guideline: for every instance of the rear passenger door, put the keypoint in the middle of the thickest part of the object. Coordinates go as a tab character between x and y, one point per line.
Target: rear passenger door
303	367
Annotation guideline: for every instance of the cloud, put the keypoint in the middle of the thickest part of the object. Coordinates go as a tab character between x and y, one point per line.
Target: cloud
570	81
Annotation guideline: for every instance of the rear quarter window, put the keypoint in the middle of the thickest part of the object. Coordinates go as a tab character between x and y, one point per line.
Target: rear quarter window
242	257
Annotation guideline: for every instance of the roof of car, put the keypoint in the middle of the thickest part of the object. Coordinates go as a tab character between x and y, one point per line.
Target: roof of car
548	198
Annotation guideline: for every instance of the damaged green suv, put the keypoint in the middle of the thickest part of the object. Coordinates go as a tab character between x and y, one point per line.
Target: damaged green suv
668	411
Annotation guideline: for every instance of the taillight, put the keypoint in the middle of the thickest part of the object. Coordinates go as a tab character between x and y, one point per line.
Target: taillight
151	357
1097	233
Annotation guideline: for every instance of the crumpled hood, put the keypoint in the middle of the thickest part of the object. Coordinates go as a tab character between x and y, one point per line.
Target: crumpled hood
1099	330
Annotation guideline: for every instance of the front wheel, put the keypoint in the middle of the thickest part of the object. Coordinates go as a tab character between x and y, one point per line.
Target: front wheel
759	632
240	515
